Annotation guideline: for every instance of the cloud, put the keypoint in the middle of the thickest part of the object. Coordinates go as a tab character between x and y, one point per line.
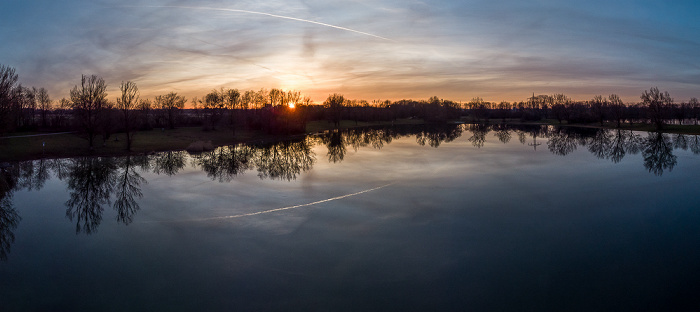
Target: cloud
452	49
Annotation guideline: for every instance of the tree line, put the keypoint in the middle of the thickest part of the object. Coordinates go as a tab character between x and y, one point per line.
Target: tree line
88	109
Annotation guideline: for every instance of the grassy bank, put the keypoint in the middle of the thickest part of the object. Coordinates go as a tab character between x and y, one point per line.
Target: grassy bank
69	145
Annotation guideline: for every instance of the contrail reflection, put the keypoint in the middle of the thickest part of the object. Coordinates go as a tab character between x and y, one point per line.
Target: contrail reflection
283	208
266	14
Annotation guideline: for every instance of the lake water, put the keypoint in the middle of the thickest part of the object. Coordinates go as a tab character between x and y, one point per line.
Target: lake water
454	217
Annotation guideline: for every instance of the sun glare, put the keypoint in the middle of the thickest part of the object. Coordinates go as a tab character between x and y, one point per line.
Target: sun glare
291	104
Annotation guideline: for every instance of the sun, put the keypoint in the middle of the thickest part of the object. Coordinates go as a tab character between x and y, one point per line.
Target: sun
291	105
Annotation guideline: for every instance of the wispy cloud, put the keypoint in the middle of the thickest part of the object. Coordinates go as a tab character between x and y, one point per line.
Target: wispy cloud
388	49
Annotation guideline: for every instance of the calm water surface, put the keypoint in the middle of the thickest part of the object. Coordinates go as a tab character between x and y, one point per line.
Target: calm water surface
458	217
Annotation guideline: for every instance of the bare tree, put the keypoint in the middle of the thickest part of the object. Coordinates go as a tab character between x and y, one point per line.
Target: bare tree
8	86
617	108
172	104
126	104
334	103
44	102
657	104
599	105
88	101
694	109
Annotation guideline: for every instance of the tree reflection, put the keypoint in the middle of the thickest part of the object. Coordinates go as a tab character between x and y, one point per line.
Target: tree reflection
479	132
284	160
658	153
336	146
694	144
436	134
563	141
502	133
623	142
127	188
9	218
169	162
224	163
600	144
90	182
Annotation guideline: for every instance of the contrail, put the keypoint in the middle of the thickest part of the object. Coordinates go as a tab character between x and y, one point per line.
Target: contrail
281	209
267	14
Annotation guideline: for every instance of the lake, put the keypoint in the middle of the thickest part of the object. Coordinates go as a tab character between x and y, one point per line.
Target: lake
449	217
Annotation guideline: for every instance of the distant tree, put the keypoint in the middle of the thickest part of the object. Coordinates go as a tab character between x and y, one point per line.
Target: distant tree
657	104
598	106
617	109
171	103
334	104
276	97
61	112
44	102
213	108
561	105
232	103
694	107
145	107
127	104
87	102
681	112
479	109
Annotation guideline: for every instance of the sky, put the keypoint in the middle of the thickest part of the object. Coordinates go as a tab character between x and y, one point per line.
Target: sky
383	49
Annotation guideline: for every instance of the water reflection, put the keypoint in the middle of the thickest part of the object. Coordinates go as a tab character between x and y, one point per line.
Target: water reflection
658	153
90	183
284	160
128	187
94	183
9	218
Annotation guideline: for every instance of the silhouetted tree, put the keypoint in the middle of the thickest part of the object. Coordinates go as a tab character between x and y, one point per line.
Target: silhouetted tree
145	108
171	104
8	93
334	104
87	102
657	104
617	109
127	104
44	103
599	106
694	105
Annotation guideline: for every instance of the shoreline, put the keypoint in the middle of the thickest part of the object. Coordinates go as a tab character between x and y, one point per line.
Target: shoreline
71	144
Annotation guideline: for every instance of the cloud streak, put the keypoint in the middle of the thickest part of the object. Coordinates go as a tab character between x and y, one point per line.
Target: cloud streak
268	15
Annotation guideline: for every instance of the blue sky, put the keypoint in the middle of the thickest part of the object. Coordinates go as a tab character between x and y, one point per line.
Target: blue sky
386	49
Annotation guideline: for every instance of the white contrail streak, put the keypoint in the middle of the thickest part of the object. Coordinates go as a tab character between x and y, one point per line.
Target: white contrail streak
283	208
270	15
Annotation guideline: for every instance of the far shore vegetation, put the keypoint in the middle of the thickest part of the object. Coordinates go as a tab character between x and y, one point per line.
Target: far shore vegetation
91	122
